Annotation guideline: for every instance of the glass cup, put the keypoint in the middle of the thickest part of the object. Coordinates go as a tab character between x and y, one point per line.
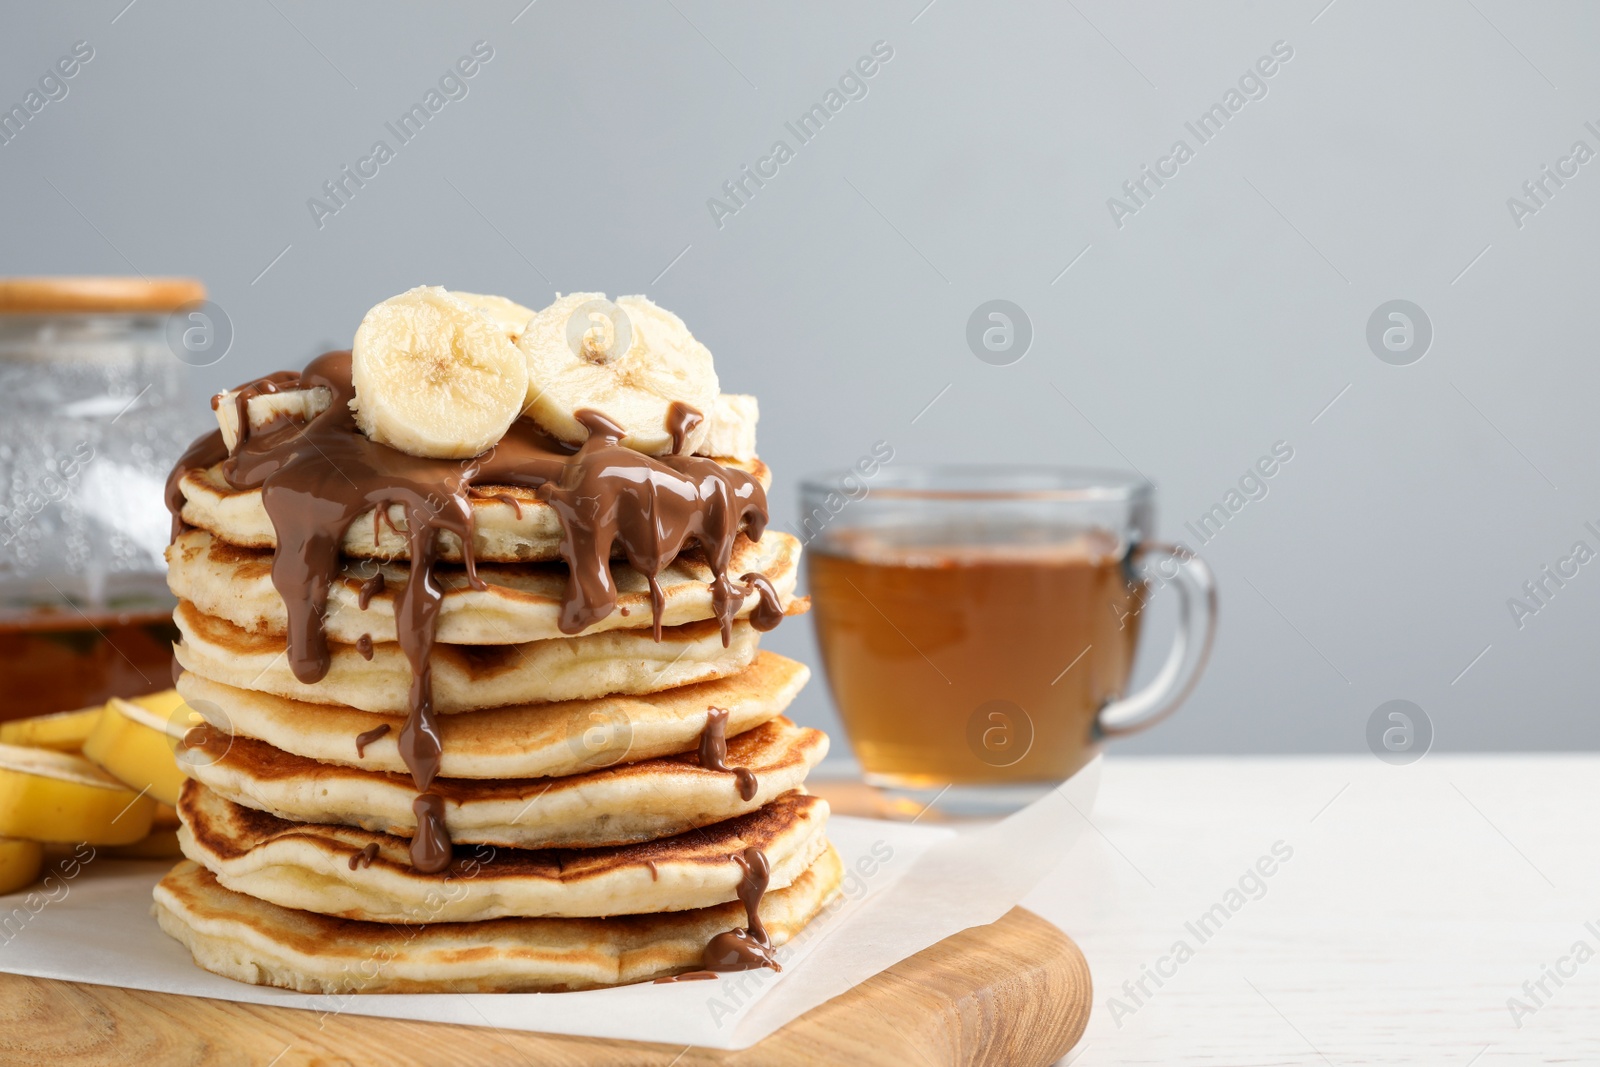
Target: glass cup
978	624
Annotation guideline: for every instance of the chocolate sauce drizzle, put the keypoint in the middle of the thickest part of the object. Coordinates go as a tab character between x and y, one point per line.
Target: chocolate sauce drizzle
769	612
276	382
714	752
747	949
364	646
365	857
430	847
317	478
739	950
204	452
370	588
504	498
682	420
366	737
609	497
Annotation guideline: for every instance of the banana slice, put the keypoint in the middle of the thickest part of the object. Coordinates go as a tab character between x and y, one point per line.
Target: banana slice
63	731
509	315
19	863
163	705
629	360
137	744
732	433
56	796
434	376
262	409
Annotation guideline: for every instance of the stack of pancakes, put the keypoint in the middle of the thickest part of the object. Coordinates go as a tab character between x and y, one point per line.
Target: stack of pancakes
614	803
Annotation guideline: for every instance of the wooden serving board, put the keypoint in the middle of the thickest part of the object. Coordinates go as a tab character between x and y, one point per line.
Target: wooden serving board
1015	993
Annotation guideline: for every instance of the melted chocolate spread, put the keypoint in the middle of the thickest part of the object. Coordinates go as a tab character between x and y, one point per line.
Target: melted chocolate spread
370	588
747	949
365	857
769	613
364	646
366	737
272	383
714	752
316	478
204	452
682	420
504	498
609	497
430	848
687	976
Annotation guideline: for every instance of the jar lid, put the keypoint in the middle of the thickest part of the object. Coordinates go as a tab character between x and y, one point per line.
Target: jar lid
86	295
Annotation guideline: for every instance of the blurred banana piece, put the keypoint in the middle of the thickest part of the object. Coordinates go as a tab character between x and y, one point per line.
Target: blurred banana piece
20	862
57	796
731	430
63	731
435	376
164	704
136	742
509	315
264	409
629	360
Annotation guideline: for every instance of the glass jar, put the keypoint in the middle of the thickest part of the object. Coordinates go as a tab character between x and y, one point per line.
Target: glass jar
91	420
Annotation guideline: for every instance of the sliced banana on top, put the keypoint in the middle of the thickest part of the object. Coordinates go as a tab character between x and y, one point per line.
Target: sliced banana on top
732	433
264	409
435	376
511	316
629	360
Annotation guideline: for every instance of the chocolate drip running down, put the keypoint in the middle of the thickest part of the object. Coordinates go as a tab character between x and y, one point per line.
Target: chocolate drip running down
682	420
204	452
317	478
504	498
611	497
365	857
276	382
430	848
747	949
369	589
714	752
769	613
364	646
366	737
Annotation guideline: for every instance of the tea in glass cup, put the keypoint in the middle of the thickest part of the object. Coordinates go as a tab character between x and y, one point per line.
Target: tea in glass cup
978	625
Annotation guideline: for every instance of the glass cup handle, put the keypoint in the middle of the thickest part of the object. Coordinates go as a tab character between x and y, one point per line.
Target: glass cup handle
1191	645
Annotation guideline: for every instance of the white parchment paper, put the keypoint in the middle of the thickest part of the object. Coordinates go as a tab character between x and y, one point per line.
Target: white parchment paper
906	887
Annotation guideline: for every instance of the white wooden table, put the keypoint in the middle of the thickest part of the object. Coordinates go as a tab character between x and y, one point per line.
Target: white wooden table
1416	903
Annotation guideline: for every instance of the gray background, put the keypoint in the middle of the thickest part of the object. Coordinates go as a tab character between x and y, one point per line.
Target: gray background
1221	318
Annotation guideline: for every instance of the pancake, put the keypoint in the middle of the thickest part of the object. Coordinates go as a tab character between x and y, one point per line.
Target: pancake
522	741
318	868
252	941
522	601
623	804
502	533
469	677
